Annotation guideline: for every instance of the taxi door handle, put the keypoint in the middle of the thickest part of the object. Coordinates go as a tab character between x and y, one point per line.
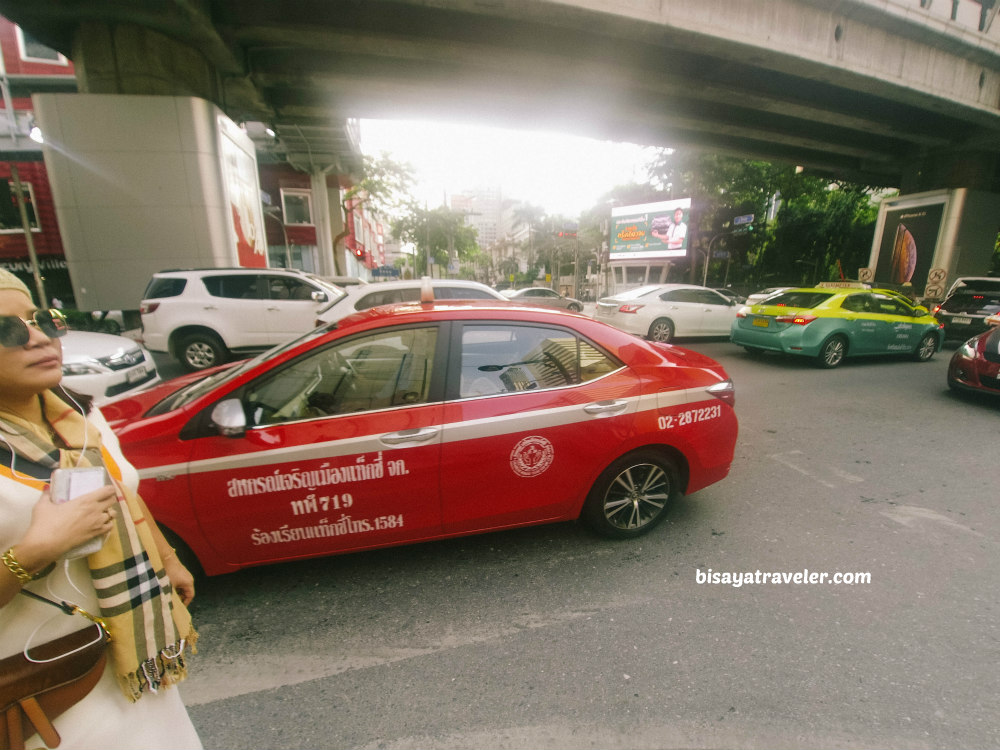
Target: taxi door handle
416	435
606	407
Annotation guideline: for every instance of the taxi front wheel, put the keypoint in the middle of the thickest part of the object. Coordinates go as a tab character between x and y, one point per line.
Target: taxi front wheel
631	496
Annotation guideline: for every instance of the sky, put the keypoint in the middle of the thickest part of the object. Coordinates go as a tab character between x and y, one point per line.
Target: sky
564	174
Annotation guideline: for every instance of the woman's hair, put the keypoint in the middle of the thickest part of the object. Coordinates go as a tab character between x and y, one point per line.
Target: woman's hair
79	401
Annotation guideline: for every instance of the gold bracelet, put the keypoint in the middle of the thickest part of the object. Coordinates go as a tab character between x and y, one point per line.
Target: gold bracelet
15	567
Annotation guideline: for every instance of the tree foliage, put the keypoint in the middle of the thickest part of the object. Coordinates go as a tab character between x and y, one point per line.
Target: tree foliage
439	232
816	230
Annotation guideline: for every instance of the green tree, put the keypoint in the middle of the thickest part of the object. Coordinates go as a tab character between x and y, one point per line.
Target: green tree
384	189
439	233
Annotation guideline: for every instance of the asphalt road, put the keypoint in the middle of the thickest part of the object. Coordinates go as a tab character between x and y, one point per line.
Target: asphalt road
552	638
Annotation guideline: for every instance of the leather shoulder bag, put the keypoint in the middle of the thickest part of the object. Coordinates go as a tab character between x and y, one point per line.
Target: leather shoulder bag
41	682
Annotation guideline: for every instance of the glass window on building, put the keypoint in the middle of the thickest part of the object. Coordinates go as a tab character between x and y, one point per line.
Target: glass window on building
296	205
34	51
10	214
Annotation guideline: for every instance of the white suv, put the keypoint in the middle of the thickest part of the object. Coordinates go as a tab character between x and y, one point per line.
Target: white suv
203	317
364	296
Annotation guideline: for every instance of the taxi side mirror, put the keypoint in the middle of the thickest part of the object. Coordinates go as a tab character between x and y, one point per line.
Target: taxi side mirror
229	419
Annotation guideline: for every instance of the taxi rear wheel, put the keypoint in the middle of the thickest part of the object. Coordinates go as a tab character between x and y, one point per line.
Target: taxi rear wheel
662	330
632	495
832	352
926	348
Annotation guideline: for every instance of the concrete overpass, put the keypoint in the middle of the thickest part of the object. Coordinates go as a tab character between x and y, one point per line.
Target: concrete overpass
894	92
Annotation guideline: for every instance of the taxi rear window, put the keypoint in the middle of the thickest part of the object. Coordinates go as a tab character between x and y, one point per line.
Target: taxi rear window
801	300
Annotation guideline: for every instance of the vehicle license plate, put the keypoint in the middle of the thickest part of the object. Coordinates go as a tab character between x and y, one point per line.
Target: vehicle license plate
761	322
135	375
962	321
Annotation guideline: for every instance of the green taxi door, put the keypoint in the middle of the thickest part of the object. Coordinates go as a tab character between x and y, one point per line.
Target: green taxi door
896	331
863	324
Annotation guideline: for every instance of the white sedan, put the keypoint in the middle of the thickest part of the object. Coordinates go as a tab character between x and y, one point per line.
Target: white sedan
664	311
102	366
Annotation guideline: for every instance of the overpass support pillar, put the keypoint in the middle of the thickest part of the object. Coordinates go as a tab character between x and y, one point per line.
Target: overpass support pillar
122	58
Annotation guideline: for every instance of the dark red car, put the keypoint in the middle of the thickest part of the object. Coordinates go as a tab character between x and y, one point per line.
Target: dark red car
975	365
415	422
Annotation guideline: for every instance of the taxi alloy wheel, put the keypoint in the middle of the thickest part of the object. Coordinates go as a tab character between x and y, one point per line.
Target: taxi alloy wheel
926	348
662	330
632	495
832	352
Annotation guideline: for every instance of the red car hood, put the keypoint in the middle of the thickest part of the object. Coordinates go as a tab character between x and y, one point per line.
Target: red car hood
128	408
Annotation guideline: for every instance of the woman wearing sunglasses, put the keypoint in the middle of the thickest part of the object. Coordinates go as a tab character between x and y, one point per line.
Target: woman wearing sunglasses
134	581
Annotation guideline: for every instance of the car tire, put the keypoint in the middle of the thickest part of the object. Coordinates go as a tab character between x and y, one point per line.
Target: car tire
832	352
199	351
926	349
662	330
576	308
632	495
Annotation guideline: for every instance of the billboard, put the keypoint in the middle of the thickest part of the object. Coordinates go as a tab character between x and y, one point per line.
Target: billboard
239	175
908	243
650	230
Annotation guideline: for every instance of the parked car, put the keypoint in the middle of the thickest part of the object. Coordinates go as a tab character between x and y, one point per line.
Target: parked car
964	313
830	324
204	317
727	292
975	365
391	292
102	366
417	422
662	312
753	299
537	295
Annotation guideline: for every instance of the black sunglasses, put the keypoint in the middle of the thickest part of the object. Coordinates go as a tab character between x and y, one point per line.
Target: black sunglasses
14	330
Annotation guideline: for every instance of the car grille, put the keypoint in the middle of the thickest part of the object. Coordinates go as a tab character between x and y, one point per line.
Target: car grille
129	359
126	386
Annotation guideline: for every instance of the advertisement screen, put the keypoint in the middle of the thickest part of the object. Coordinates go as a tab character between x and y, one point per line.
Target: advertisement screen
650	230
239	171
909	238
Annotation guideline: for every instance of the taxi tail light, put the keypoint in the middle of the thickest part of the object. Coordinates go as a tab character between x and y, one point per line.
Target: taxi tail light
724	391
798	320
936	310
630	308
147	307
742	312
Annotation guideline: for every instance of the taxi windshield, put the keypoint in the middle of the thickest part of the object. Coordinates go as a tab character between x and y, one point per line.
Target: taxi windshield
190	392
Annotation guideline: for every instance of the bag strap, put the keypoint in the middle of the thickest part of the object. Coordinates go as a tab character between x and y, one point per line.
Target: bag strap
70	609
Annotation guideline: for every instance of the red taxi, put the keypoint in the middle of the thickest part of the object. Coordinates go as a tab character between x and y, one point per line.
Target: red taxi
424	421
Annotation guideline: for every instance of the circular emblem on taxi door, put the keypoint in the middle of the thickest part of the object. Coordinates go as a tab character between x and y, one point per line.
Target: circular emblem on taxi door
531	456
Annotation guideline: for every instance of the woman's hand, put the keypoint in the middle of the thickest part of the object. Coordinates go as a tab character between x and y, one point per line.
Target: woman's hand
180	577
57	528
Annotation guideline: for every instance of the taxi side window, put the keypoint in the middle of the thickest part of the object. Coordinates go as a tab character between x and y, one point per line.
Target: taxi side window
510	358
889	306
386	369
857	303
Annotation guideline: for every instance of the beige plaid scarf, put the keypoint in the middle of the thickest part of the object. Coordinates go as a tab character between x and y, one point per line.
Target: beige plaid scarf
149	626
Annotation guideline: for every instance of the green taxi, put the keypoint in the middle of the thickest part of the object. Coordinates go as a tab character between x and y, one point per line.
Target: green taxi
830	323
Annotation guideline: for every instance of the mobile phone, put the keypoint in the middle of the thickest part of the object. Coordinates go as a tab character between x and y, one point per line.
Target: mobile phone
67	484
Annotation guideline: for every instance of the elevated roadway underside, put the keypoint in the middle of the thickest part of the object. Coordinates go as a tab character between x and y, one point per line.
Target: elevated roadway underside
876	92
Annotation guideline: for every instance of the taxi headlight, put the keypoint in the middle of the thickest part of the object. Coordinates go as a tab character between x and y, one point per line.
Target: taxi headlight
967	350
